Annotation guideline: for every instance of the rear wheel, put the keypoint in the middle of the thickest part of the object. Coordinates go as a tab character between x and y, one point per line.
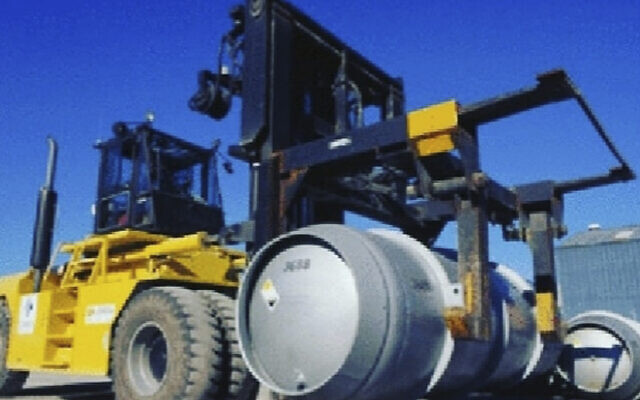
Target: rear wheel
167	346
238	382
10	381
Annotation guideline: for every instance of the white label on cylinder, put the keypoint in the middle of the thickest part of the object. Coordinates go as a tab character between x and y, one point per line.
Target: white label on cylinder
454	296
269	294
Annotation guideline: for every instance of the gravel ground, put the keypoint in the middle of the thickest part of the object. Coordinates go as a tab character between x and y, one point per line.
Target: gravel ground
41	386
64	387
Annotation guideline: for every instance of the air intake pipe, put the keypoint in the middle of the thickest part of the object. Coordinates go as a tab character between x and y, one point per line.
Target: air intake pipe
45	215
330	312
601	358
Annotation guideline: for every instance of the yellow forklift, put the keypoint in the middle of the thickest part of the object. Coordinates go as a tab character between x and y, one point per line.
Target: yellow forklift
148	298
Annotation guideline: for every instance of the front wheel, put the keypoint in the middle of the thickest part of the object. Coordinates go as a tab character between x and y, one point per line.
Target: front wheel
167	346
10	381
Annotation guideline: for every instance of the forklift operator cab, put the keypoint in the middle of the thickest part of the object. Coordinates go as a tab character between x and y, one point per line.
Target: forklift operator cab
152	181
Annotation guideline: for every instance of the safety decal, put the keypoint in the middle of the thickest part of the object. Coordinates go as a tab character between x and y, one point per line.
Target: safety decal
28	314
269	294
96	314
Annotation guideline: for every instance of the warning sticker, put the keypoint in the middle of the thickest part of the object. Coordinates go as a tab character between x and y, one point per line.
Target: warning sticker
99	314
269	294
28	314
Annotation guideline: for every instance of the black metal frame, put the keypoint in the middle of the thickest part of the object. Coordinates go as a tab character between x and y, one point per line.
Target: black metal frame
301	166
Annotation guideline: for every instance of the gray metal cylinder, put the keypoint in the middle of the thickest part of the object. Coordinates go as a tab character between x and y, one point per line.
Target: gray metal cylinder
514	351
601	359
330	312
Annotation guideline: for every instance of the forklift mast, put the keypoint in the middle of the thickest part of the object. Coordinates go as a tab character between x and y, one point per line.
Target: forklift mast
313	156
155	182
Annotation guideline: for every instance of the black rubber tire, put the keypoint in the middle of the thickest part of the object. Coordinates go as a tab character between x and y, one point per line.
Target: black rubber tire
238	382
10	381
194	367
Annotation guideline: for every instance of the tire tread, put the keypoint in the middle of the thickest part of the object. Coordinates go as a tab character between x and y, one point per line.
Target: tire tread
201	336
10	381
239	383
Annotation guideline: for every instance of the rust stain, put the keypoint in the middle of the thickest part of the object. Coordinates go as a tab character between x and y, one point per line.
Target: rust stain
454	319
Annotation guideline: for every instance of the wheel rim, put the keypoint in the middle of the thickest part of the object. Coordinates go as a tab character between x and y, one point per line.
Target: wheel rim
147	359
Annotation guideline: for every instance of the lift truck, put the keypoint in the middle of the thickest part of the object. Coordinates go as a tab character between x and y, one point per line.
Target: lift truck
313	157
148	297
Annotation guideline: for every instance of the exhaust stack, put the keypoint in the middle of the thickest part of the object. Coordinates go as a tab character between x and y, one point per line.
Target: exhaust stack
45	214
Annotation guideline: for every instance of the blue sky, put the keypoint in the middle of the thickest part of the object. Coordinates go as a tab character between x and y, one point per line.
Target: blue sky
71	68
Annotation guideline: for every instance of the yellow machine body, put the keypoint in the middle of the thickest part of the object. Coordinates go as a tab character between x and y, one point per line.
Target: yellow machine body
68	325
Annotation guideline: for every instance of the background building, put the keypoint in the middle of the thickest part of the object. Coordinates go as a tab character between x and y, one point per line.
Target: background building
600	269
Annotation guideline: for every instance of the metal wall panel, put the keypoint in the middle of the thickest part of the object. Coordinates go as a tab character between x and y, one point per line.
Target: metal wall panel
600	269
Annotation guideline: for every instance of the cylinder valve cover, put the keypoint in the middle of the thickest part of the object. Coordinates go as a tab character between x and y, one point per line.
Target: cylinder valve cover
306	307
